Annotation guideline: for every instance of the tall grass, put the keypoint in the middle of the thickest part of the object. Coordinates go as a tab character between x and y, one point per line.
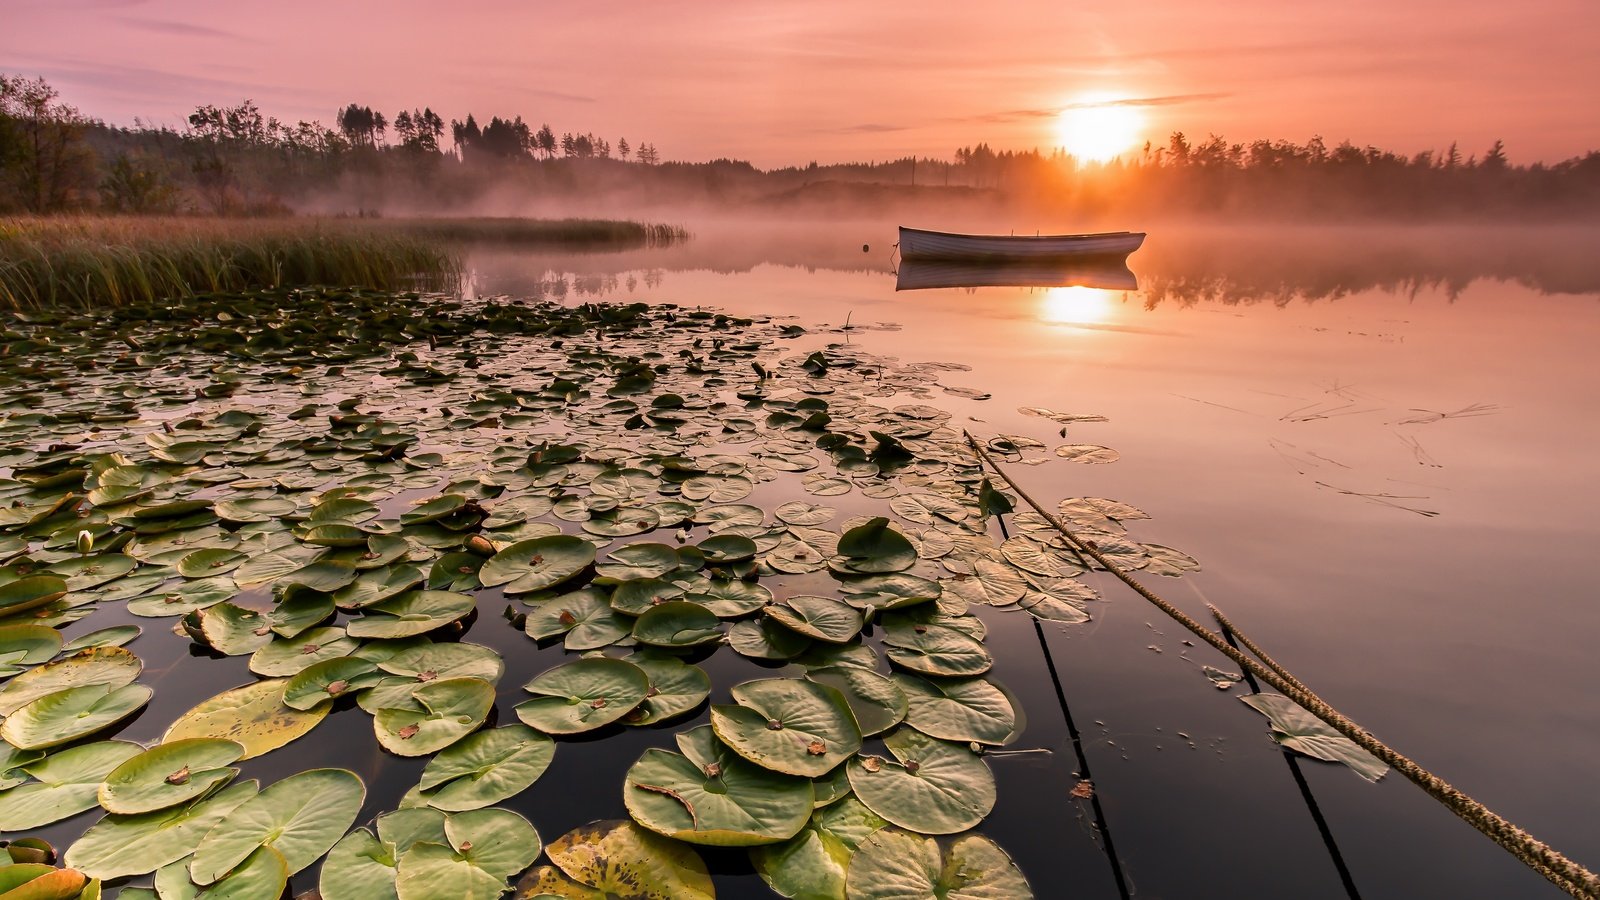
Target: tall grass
110	261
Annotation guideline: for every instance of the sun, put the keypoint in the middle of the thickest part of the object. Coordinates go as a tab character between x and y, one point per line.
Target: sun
1078	305
1099	129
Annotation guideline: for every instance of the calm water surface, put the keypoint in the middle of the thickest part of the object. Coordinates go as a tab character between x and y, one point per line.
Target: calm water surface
1381	447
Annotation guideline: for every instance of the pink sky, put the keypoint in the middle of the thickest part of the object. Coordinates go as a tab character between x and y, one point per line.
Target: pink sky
836	80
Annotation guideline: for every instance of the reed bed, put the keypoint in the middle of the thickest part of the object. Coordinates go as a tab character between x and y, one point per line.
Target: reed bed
88	261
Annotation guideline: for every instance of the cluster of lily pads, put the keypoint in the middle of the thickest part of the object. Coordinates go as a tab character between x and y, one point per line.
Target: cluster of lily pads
333	484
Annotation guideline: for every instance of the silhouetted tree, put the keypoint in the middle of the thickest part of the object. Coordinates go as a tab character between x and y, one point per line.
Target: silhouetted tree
44	164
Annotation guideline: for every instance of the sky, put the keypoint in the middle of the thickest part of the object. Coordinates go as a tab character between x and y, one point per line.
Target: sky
849	80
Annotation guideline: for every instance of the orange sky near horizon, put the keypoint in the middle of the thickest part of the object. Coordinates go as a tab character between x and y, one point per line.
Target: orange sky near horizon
781	84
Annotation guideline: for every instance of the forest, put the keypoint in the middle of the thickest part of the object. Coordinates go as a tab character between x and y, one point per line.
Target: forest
241	161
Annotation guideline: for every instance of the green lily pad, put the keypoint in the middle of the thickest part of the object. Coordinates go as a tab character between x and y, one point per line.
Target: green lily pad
24	644
896	865
636	596
329	680
877	702
210	561
31	592
414	666
533	565
485	768
413	613
374	586
359	867
788	725
727	548
302	817
230	630
483	848
887	592
64	785
709	795
676	688
812	864
818	617
67	715
452	708
181	599
728	598
290	657
677	623
85	572
764	638
992	584
959	709
875	547
633	561
120	846
253	715
618	859
583	695
798	512
934	788
114	636
937	650
584	616
167	775
264	873
1302	732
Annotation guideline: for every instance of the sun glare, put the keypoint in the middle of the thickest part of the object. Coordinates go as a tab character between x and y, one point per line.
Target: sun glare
1078	305
1099	128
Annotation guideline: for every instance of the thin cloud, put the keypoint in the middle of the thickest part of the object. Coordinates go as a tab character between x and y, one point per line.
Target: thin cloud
1051	112
179	29
869	128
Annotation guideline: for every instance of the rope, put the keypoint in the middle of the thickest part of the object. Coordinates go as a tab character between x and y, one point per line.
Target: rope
1556	868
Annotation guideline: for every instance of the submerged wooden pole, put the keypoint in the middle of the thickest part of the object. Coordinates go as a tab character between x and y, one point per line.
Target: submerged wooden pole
1550	863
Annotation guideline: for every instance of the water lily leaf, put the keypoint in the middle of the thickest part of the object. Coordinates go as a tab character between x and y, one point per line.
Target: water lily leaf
927	509
65	716
302	817
324	576
727	598
825	485
452	708
676	688
119	846
727	548
289	657
991	584
482	845
359	867
798	512
38	881
617	859
85	572
169	774
633	561
114	636
184	598
937	650
254	509
896	865
788	725
636	596
31	592
374	586
958	709
764	638
875	547
624	521
413	613
1300	731
269	567
229	629
64	784
253	715
329	680
718	489
25	644
828	620
934	788
877	703
533	565
209	561
583	695
1088	453
584	616
485	768
812	864
677	623
707	794
886	592
264	873
427	662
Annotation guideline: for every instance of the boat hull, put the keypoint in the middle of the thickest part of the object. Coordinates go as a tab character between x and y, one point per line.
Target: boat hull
938	245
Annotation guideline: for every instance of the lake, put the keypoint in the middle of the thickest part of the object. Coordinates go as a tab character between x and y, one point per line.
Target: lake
1380	445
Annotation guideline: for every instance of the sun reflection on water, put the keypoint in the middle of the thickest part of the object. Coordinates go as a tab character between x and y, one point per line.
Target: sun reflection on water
1078	305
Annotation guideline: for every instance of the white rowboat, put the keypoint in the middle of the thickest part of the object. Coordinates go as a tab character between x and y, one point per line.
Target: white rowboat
918	244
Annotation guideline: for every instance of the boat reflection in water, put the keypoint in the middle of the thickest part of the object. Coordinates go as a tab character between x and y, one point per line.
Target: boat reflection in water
1112	275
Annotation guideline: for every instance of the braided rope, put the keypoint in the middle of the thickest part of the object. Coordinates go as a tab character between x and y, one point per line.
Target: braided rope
1572	878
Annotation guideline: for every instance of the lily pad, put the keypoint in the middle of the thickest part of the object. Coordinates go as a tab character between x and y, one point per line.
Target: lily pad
290	657
301	817
618	859
934	788
875	547
958	709
1300	731
452	708
632	561
583	695
329	680
65	716
169	774
253	715
896	865
812	864
937	650
114	636
584	616
413	613
728	598
707	794
485	768
877	702
677	623
676	688
533	565
483	848
64	784
111	666
24	645
818	617
788	725
119	846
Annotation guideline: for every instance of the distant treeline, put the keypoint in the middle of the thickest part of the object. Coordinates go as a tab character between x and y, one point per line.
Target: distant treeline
239	161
